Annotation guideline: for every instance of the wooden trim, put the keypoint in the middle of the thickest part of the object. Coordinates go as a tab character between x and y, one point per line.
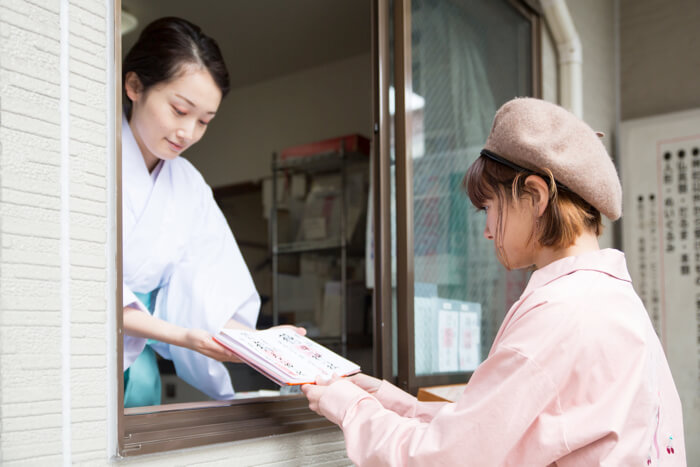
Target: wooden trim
235	189
170	427
381	188
534	5
198	424
119	251
537	85
532	11
407	378
442	379
404	196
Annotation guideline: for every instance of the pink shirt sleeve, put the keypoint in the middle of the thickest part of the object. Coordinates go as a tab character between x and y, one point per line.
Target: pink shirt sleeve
404	404
501	419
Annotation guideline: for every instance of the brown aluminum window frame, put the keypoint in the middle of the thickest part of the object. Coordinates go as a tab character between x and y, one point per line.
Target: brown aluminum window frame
406	374
381	187
165	428
178	426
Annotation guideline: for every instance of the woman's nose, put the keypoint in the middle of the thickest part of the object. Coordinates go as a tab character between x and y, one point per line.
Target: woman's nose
487	233
185	133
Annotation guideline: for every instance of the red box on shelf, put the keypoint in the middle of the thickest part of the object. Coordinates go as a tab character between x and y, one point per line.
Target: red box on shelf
353	144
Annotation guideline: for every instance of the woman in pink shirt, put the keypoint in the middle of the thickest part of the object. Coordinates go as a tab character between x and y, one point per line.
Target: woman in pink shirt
576	374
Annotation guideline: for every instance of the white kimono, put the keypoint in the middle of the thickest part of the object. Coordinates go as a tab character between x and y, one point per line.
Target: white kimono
175	238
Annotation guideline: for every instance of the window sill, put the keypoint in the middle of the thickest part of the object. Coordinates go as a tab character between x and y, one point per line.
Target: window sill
178	426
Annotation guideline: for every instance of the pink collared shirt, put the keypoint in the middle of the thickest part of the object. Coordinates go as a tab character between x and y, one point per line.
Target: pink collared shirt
575	376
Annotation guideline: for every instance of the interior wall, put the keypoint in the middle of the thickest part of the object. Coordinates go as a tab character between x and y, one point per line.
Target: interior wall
659	63
254	121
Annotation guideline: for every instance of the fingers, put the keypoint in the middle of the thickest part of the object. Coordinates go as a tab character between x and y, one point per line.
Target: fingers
366	382
326	380
313	393
218	352
299	330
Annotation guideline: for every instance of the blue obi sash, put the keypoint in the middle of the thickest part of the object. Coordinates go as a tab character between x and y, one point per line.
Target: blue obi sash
142	384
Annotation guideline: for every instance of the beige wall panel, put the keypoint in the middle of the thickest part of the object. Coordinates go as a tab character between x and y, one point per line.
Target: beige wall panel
660	62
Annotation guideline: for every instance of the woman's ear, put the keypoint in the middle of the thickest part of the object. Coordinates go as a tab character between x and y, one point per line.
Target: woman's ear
540	193
133	86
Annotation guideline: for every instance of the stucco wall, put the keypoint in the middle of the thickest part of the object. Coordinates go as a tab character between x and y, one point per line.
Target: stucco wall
594	22
660	63
34	224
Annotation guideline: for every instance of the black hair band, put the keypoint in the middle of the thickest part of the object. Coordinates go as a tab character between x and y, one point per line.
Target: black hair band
496	158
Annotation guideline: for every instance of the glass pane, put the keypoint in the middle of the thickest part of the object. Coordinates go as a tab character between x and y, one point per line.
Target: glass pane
469	56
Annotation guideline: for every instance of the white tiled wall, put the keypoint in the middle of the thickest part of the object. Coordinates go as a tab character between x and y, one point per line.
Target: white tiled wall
30	320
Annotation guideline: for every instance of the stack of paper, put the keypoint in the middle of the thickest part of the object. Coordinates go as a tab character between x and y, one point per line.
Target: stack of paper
284	356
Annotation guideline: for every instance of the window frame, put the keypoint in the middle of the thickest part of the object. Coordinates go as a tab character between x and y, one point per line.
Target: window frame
406	375
177	426
164	428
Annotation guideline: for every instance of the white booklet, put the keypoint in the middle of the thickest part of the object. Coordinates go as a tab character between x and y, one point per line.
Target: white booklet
284	356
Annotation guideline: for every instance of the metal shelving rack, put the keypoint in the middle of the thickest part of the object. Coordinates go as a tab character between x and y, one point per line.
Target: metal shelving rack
336	161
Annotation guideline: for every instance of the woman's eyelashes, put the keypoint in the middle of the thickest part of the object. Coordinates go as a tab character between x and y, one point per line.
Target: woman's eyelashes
182	113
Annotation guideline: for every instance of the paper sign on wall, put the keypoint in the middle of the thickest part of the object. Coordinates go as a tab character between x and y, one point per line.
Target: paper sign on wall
459	336
661	237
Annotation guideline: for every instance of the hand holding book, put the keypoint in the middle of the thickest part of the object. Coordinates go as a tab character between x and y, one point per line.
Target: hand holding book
285	356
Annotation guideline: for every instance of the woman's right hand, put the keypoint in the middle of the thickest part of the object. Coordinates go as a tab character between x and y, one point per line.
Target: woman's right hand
138	323
366	382
201	341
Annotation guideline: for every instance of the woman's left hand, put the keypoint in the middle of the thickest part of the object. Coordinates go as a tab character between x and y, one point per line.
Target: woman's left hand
297	329
314	392
233	324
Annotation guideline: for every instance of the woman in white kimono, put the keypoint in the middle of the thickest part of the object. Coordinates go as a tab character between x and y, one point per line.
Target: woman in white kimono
184	276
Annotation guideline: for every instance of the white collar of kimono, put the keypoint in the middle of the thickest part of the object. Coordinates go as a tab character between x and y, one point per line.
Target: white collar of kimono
132	158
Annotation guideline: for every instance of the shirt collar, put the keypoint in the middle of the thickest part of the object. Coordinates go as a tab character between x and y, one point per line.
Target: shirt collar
608	261
132	158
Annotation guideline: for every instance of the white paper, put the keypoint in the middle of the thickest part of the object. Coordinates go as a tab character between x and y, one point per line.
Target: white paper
448	336
469	336
285	356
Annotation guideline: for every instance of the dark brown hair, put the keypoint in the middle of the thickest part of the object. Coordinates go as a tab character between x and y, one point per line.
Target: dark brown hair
164	47
567	214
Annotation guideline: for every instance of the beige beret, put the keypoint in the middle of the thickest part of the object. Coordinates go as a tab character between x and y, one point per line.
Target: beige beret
535	134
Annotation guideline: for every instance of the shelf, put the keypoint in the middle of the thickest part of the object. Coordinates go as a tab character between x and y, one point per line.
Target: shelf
309	246
326	162
328	339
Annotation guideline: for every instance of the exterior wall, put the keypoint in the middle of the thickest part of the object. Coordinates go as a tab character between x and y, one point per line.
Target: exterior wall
659	63
34	274
594	22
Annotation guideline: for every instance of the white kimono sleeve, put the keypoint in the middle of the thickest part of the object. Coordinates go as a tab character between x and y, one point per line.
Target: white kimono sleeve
133	346
209	286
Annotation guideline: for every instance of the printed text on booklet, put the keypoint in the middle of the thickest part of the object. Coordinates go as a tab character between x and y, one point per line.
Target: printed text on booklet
284	356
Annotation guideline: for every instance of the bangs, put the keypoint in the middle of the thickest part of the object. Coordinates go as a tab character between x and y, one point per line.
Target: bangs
481	178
